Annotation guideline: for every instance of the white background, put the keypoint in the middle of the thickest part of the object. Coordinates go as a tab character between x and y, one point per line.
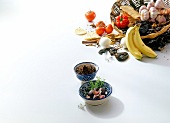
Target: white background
38	51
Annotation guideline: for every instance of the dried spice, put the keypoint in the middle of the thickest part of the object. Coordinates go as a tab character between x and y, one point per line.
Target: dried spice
85	69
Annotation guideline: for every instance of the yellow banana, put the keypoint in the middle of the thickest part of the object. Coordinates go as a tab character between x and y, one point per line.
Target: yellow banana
144	49
130	45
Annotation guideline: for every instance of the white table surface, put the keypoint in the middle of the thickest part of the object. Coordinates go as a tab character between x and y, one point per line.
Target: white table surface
38	51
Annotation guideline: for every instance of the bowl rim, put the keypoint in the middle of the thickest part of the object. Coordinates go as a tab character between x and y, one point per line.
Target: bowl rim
95	99
86	63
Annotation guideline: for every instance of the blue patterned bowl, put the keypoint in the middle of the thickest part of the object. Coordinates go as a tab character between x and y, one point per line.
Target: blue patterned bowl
86	77
83	90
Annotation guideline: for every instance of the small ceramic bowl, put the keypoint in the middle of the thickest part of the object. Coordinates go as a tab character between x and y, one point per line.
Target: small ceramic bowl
83	90
86	77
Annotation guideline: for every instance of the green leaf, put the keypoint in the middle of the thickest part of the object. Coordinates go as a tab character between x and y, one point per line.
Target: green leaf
98	84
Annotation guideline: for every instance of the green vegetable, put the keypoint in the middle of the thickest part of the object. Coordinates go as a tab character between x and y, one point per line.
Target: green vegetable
99	83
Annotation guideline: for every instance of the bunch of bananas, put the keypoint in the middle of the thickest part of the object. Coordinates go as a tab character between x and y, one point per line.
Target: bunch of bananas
135	45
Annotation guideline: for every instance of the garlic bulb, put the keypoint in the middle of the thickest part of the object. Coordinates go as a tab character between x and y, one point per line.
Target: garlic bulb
144	15
141	8
159	4
150	4
153	12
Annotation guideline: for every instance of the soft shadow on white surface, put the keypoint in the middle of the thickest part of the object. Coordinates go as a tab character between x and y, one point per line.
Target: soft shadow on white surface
110	109
162	59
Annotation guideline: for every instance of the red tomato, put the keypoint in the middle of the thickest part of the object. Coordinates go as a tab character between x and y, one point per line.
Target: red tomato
90	15
100	30
122	21
109	28
100	24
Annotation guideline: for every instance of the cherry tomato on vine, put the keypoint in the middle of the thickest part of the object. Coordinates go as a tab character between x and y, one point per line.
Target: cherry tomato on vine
109	29
90	15
100	24
100	30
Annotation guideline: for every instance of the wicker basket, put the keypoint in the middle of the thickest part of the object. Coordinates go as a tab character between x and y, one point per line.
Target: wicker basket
115	10
156	40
